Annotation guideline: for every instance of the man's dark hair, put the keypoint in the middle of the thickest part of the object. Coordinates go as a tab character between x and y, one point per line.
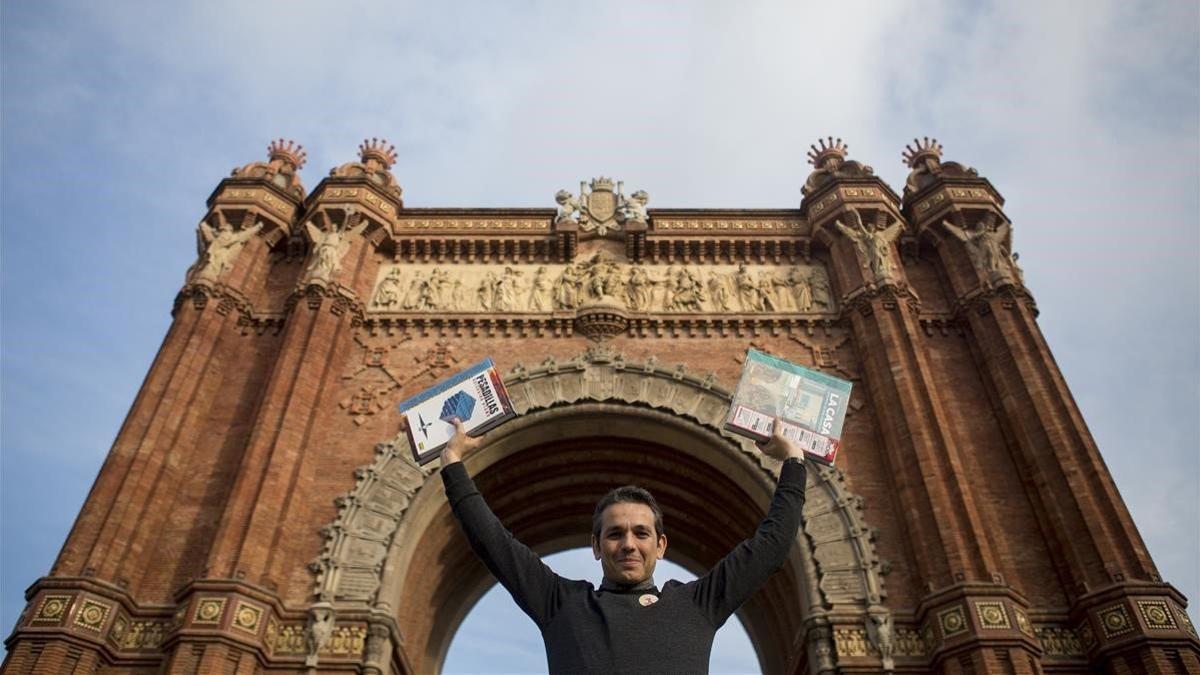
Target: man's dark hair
627	494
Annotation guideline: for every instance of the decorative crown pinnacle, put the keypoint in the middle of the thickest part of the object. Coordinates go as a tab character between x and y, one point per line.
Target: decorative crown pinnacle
819	156
287	151
926	148
379	150
602	183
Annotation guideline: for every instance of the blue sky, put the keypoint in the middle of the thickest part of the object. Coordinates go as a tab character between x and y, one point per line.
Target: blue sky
119	118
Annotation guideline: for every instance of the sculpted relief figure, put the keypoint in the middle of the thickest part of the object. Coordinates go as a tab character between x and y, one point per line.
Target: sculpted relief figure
568	207
719	291
317	633
687	293
389	292
749	294
566	291
329	248
985	245
801	289
507	289
486	292
539	294
822	296
220	247
875	244
640	288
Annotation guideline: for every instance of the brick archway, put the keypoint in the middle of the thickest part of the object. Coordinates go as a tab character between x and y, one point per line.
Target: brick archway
588	424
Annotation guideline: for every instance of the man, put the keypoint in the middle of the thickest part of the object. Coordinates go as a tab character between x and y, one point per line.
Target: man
628	625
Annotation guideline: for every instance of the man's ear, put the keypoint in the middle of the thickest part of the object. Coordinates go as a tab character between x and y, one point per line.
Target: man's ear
662	546
595	547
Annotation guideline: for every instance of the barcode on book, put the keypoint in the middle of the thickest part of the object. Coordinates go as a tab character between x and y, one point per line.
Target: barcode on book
807	440
753	421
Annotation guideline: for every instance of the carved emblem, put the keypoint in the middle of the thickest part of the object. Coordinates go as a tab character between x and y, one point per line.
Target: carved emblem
601	206
52	609
1115	621
92	614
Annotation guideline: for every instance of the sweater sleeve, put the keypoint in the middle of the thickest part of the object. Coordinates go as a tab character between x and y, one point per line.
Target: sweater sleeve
532	584
748	566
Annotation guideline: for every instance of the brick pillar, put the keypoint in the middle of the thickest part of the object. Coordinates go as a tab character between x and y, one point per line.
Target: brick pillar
1100	558
940	514
316	339
968	604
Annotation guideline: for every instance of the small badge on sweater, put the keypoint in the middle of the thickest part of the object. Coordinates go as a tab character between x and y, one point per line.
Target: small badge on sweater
648	599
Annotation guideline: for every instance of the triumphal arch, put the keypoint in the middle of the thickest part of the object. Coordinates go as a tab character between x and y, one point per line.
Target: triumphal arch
259	513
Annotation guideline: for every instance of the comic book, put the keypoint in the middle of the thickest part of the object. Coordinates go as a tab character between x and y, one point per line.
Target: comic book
476	396
810	405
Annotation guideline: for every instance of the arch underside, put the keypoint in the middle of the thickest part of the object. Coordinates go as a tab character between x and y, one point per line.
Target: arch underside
586	427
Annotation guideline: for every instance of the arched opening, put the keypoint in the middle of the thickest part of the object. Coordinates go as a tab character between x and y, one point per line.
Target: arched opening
496	637
542	475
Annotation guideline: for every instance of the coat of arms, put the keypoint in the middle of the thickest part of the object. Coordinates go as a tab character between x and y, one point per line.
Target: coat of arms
601	206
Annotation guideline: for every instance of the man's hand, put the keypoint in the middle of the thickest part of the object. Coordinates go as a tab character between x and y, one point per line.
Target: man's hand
780	447
460	445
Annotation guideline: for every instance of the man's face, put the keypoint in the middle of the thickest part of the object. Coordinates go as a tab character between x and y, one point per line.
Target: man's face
628	547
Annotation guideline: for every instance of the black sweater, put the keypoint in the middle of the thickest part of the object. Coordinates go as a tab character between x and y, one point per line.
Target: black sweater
608	631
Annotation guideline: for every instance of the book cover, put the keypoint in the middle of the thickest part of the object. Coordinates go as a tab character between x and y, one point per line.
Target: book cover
809	405
476	396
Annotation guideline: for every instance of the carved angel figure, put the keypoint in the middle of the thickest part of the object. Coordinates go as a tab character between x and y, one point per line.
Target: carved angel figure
875	244
329	248
633	209
985	244
568	207
219	247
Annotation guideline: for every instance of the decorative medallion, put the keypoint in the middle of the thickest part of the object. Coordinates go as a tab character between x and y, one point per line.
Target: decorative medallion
992	615
52	609
246	617
117	632
1086	636
953	621
1023	621
1185	620
1115	621
647	599
1157	615
92	614
209	611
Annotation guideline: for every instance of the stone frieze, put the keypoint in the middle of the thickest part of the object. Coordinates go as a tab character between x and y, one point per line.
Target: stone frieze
531	288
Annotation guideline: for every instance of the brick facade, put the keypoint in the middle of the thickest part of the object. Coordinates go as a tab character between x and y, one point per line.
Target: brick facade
258	513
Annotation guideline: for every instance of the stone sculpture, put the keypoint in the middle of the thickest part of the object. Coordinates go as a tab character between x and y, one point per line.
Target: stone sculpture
219	248
985	245
874	245
330	247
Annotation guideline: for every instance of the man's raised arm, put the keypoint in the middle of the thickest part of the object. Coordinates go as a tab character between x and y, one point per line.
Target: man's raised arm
748	566
532	585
